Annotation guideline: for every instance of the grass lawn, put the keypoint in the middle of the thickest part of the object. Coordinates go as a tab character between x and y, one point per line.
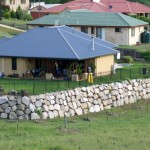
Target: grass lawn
16	21
8	32
123	128
39	86
140	48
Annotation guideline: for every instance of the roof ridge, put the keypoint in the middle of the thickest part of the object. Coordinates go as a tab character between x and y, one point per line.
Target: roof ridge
86	38
68	43
121	16
129	7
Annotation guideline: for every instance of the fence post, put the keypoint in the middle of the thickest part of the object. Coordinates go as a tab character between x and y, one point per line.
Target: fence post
68	83
147	107
14	86
57	84
45	85
33	87
120	74
130	73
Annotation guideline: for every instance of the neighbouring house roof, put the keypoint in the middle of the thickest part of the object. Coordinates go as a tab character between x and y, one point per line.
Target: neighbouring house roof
88	4
122	6
79	18
58	42
45	6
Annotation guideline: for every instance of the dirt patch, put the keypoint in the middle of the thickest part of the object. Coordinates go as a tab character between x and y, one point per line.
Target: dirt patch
63	130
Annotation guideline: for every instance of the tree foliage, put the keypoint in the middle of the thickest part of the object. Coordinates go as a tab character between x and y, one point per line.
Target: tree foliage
145	2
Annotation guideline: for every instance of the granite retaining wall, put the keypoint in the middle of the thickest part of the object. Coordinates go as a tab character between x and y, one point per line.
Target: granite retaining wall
73	102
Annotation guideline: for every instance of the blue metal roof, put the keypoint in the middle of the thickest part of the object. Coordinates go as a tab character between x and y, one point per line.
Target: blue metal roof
58	42
4	39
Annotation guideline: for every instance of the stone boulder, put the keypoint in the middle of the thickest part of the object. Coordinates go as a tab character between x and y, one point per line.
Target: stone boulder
35	116
3	99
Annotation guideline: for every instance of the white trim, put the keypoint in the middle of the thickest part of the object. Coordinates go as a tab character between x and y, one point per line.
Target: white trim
103	33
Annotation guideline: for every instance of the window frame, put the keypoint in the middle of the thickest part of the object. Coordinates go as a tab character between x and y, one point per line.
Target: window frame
118	30
84	29
92	30
133	31
23	1
14	63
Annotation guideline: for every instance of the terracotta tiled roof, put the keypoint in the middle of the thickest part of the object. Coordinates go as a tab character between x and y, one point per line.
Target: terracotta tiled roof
78	4
122	6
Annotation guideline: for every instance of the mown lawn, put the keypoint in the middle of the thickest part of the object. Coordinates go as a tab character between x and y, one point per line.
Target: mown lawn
140	48
123	128
11	20
6	32
38	86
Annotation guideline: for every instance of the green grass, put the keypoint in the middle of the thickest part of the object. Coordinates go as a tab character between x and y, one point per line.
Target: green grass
16	21
139	48
8	32
42	86
127	129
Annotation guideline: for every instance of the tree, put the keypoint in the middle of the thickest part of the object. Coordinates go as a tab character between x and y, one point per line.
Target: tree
0	10
145	2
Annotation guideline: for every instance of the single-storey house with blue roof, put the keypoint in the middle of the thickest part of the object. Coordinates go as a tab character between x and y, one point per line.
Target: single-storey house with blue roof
42	47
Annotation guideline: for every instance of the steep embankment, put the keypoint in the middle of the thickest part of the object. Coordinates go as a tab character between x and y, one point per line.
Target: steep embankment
6	31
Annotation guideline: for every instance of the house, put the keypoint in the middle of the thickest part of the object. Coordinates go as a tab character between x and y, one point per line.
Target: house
113	27
35	11
24	4
127	7
121	6
42	47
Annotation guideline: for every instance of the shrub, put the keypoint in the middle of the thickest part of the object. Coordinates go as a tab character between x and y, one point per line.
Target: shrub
127	59
5	7
4	12
146	55
19	13
7	15
28	17
12	14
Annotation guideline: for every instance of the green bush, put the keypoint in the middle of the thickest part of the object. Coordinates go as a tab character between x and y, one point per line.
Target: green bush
28	17
127	59
146	55
7	15
19	13
12	14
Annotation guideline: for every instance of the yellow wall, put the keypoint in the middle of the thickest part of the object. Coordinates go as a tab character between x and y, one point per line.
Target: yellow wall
23	65
104	64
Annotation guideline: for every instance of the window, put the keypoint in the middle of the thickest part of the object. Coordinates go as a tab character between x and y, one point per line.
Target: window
84	29
14	63
13	1
132	31
10	1
23	1
92	30
99	33
118	30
